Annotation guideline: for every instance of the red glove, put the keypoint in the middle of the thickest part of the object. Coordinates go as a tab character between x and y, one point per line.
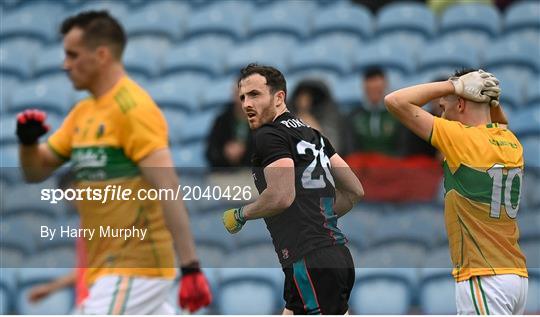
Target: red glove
30	126
194	292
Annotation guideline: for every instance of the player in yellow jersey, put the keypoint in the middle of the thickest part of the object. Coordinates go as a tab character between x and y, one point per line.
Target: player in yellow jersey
117	137
483	170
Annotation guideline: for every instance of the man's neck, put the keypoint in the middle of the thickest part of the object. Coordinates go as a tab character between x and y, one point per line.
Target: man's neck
107	80
281	111
476	119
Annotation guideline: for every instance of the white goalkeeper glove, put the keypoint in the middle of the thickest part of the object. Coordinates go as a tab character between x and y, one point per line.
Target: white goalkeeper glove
477	86
492	88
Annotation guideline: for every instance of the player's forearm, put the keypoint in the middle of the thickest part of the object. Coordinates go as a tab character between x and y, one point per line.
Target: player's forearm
344	203
269	203
33	163
418	96
67	280
177	221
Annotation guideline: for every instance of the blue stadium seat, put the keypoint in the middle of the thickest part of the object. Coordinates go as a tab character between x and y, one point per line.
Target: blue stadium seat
447	54
392	254
348	91
249	291
17	57
7	289
358	226
478	18
343	18
286	17
208	230
383	54
252	256
221	93
197	127
60	302
7	131
533	91
345	41
143	56
410	224
410	17
226	18
29	22
50	61
9	157
438	259
522	15
531	249
178	91
9	82
175	118
437	292
381	292
198	55
161	19
529	222
316	55
253	233
531	183
509	51
465	38
51	93
512	94
531	151
526	122
118	9
210	255
252	52
18	245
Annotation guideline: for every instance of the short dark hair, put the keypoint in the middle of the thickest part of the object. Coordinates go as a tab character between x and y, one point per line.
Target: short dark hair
374	71
463	71
274	78
100	28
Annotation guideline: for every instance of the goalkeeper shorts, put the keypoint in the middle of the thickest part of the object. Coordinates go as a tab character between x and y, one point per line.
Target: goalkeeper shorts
320	283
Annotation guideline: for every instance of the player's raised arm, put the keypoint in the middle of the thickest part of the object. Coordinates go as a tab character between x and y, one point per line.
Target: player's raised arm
349	190
405	104
37	161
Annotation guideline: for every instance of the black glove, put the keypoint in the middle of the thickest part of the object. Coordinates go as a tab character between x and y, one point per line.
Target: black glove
30	126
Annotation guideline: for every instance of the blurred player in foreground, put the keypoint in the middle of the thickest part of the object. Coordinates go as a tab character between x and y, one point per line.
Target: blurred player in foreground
483	171
304	187
117	136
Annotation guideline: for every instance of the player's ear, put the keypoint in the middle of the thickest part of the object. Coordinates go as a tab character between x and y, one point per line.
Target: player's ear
461	104
104	54
279	97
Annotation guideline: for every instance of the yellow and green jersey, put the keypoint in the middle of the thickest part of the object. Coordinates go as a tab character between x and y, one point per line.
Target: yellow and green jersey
105	138
483	171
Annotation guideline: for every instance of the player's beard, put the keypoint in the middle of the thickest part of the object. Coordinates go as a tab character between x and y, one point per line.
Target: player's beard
266	116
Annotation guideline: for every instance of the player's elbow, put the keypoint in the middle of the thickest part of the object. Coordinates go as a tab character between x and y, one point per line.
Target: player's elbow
286	199
33	176
391	101
356	194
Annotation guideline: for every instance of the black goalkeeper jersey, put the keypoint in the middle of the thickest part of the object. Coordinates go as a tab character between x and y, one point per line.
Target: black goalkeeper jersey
310	222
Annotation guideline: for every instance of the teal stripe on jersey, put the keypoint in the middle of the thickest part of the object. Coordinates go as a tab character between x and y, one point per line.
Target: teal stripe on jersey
305	288
327	206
